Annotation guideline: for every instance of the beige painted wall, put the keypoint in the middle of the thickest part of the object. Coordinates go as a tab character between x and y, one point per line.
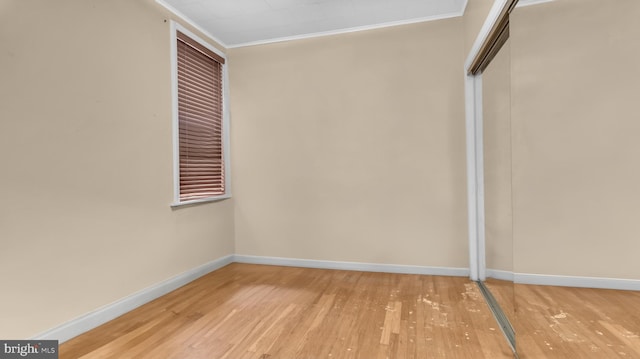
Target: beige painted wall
87	162
496	102
576	175
474	16
351	147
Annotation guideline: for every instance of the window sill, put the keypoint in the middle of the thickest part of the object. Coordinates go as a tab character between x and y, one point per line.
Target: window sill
199	201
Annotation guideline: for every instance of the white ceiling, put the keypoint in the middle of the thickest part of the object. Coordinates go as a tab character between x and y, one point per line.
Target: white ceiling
244	22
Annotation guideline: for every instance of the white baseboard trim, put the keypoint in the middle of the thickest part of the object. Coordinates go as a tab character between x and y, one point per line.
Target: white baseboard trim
356	266
565	281
500	274
584	282
111	311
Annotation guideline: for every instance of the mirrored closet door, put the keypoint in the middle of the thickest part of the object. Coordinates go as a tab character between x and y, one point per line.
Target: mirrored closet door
576	178
488	97
496	115
552	128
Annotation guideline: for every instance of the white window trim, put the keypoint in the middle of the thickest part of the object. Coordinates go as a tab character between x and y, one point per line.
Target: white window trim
175	27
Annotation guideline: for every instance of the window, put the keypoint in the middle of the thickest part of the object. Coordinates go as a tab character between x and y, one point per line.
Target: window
200	121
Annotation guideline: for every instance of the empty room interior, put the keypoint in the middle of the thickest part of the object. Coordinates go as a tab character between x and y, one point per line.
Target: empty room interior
278	179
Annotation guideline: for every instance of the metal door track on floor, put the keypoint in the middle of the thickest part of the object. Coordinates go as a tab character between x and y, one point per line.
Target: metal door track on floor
501	318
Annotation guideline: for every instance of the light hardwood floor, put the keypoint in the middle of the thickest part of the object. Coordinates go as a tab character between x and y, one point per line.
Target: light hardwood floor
562	322
268	312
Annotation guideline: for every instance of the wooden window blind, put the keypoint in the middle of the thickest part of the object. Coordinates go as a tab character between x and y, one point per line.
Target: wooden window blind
200	121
